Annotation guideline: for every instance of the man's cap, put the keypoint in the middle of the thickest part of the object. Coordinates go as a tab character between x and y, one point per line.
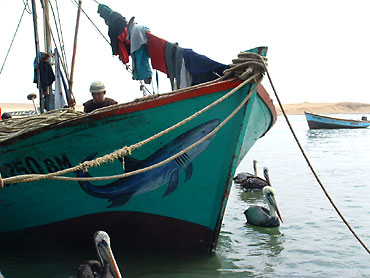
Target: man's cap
97	87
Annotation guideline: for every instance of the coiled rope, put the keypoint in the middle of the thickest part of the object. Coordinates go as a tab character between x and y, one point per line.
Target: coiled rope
14	127
251	71
312	170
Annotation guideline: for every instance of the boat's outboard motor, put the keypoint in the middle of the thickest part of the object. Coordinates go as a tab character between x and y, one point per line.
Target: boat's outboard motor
364	118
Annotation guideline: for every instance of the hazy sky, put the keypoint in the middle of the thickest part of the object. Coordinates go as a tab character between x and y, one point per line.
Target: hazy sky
317	48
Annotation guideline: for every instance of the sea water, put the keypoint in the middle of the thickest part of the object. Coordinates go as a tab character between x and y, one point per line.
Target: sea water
312	242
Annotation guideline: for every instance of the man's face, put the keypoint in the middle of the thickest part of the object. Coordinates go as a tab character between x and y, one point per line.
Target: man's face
98	97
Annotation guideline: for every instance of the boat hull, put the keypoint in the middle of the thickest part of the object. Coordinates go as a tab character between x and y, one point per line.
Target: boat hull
322	122
180	205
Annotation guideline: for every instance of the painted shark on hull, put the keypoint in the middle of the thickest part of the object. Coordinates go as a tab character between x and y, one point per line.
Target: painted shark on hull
121	190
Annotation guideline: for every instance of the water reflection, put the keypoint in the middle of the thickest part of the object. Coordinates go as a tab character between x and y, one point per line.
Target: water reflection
252	197
63	262
161	263
313	134
325	133
266	241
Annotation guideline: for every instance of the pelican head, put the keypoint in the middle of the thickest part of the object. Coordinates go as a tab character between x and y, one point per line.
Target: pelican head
269	194
266	175
102	244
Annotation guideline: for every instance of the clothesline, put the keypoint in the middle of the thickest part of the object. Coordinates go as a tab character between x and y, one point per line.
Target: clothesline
183	66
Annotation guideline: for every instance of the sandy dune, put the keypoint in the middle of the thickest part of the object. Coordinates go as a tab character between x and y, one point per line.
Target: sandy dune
297	108
326	108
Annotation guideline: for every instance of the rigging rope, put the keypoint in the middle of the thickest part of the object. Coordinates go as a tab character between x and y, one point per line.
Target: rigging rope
28	9
6	57
312	170
97	29
60	38
63	60
64	63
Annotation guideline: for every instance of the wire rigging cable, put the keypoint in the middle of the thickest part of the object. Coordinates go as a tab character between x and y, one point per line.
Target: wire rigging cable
60	38
96	27
11	44
28	9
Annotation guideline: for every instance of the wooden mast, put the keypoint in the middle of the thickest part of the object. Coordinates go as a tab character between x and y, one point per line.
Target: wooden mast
47	38
72	101
48	50
37	46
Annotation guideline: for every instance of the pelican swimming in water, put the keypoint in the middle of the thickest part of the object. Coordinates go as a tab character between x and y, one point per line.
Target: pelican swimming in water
256	183
106	266
260	216
239	178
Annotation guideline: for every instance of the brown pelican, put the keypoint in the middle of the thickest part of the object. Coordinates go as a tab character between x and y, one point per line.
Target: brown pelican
239	178
106	266
256	183
260	216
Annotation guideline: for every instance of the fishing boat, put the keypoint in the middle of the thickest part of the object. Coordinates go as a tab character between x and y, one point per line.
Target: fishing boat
316	121
153	173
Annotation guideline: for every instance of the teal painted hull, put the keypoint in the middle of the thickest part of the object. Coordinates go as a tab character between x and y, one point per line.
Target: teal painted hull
178	205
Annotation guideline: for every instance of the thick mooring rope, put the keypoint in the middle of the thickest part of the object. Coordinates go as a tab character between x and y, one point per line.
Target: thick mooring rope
312	170
142	170
254	75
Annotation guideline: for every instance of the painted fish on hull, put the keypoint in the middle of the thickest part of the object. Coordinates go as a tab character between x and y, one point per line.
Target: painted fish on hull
120	191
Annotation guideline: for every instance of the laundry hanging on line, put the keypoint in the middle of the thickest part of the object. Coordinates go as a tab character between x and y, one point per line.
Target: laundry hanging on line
183	66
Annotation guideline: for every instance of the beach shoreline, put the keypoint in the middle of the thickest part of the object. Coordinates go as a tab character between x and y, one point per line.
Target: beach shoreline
325	108
292	109
11	107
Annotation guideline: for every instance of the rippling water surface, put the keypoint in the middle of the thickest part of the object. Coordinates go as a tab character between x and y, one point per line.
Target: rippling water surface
312	241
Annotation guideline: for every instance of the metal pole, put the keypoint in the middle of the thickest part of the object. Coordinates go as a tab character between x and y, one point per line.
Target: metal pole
37	54
74	54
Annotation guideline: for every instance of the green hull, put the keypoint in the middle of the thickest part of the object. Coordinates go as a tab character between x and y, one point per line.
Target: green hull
179	205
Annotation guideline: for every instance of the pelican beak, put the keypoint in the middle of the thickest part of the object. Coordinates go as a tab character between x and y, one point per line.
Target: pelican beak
273	203
107	255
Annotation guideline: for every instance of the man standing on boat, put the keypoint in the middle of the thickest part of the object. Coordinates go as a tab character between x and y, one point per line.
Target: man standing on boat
97	89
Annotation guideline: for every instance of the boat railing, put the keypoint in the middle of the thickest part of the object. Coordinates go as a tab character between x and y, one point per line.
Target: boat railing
22	113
